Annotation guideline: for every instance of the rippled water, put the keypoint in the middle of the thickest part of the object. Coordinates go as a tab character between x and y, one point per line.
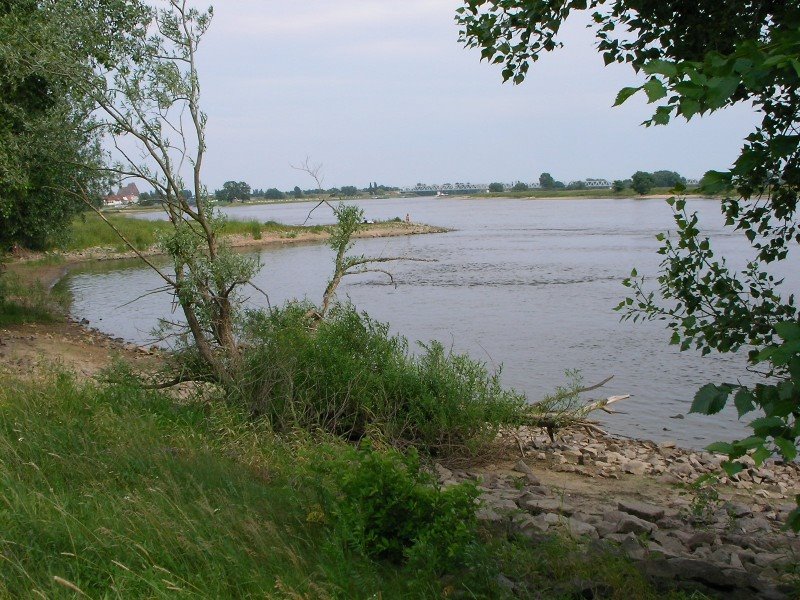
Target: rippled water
527	284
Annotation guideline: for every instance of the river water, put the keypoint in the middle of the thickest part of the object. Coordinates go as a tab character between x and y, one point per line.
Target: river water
526	284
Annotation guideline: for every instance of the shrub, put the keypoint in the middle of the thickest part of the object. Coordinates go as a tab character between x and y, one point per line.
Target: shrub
349	377
391	510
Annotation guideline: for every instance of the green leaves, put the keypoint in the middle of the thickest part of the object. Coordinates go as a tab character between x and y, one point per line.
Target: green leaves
744	401
654	89
624	94
710	399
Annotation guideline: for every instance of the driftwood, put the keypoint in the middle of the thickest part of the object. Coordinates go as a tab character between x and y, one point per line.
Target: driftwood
563	411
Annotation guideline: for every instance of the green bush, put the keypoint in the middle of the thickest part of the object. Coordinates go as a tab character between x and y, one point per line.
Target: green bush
391	510
348	376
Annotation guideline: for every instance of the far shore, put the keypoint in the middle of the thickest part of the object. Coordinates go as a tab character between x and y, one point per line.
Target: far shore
529	195
49	267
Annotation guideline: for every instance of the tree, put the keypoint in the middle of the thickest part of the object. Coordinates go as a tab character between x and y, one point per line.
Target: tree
233	191
520	187
274	194
496	187
667	179
697	59
576	185
47	140
618	185
642	182
546	181
349	190
297	192
147	89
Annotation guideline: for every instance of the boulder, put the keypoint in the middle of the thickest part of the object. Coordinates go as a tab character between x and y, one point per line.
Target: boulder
648	512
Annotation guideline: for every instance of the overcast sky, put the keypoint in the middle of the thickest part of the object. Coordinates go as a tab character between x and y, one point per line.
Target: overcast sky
381	90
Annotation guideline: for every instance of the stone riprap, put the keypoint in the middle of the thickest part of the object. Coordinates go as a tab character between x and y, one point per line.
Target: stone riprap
722	535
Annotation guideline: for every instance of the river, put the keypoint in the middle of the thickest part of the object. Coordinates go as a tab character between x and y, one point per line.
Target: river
526	284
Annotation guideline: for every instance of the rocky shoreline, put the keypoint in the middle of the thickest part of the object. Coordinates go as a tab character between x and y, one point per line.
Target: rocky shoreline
667	508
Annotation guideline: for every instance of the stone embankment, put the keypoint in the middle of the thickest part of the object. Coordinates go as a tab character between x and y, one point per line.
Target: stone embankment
667	508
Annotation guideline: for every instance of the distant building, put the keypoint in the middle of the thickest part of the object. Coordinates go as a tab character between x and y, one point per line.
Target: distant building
597	183
128	194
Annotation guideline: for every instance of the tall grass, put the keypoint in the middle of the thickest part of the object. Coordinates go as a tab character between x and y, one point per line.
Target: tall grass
30	302
116	491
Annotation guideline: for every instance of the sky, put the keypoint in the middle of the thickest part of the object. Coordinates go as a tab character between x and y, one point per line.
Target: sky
381	90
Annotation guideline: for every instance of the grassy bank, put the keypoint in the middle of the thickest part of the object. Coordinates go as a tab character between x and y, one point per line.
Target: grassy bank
112	490
88	231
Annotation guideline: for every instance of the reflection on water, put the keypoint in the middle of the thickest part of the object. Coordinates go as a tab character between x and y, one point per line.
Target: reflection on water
530	285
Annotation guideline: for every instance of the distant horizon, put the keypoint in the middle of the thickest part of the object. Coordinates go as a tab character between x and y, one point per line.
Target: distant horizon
385	89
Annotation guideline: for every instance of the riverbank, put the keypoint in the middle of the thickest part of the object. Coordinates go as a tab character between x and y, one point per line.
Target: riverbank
634	497
667	509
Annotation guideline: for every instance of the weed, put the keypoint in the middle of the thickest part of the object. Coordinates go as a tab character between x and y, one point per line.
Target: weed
706	500
255	229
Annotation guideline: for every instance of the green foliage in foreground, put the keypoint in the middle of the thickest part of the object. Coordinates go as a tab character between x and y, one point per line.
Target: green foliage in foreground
119	492
350	377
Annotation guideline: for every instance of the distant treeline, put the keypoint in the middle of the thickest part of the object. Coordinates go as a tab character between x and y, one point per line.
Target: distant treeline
640	182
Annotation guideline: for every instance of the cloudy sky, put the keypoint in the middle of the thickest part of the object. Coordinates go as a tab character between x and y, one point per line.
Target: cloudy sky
381	90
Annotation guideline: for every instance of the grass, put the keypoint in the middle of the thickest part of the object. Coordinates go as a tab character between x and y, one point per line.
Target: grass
88	231
110	490
115	490
22	302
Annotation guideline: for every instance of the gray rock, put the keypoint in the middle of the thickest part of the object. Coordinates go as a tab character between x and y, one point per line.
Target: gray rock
443	473
736	562
578	528
768	559
738	510
753	524
523	522
681	469
701	538
669	542
631	524
488	515
498	503
635	467
540	505
631	546
700	571
505	582
642	510
523	467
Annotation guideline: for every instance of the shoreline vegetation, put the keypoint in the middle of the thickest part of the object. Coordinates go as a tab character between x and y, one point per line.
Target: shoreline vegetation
90	239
